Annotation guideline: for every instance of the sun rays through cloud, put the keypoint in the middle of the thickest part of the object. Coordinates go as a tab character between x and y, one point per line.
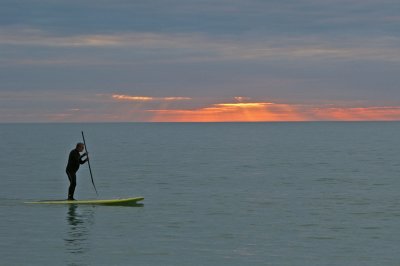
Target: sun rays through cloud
230	112
143	108
244	109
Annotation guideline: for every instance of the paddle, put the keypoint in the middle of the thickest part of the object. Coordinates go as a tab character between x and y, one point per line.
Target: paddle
90	169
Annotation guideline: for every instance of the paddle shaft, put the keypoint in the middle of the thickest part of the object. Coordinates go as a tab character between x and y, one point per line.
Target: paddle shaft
90	169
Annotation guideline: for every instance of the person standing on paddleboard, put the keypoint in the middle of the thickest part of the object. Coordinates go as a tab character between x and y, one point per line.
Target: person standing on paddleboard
74	161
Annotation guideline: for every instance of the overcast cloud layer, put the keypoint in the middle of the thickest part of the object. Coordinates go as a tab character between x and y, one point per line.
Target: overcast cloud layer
64	60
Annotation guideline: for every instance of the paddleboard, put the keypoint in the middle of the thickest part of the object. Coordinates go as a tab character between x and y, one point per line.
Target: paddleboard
108	202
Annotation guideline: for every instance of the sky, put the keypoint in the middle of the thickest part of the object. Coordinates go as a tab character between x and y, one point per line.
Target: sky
199	60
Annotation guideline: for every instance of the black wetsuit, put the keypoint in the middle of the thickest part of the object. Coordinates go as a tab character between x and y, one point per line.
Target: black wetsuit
74	161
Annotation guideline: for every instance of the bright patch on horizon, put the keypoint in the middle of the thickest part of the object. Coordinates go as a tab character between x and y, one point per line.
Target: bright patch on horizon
231	112
275	112
243	105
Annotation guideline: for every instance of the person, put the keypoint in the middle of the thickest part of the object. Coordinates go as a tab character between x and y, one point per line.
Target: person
75	159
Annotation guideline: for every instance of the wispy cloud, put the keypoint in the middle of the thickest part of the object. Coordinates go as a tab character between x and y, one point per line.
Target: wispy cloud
122	97
373	113
195	46
32	36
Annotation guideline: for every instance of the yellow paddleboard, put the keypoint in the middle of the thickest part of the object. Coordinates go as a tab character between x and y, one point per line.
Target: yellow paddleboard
109	202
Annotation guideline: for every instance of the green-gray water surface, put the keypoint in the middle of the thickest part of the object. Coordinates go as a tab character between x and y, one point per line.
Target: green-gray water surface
215	194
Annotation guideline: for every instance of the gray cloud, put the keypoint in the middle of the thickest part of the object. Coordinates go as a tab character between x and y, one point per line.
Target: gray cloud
213	17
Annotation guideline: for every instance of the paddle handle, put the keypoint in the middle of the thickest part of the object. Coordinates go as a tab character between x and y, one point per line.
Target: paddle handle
90	168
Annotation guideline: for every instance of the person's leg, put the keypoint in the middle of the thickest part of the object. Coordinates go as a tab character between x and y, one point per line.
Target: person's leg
72	185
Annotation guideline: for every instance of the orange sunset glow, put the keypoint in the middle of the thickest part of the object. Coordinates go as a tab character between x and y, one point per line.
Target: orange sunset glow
231	112
243	109
385	113
272	112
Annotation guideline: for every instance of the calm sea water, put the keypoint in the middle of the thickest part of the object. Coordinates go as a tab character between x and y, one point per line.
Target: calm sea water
215	194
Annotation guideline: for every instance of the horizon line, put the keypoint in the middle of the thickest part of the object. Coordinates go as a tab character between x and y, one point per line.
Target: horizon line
201	122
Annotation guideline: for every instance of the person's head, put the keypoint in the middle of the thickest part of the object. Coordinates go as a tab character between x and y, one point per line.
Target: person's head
80	147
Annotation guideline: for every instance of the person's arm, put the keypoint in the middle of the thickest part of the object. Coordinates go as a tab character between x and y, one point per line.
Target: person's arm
83	155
